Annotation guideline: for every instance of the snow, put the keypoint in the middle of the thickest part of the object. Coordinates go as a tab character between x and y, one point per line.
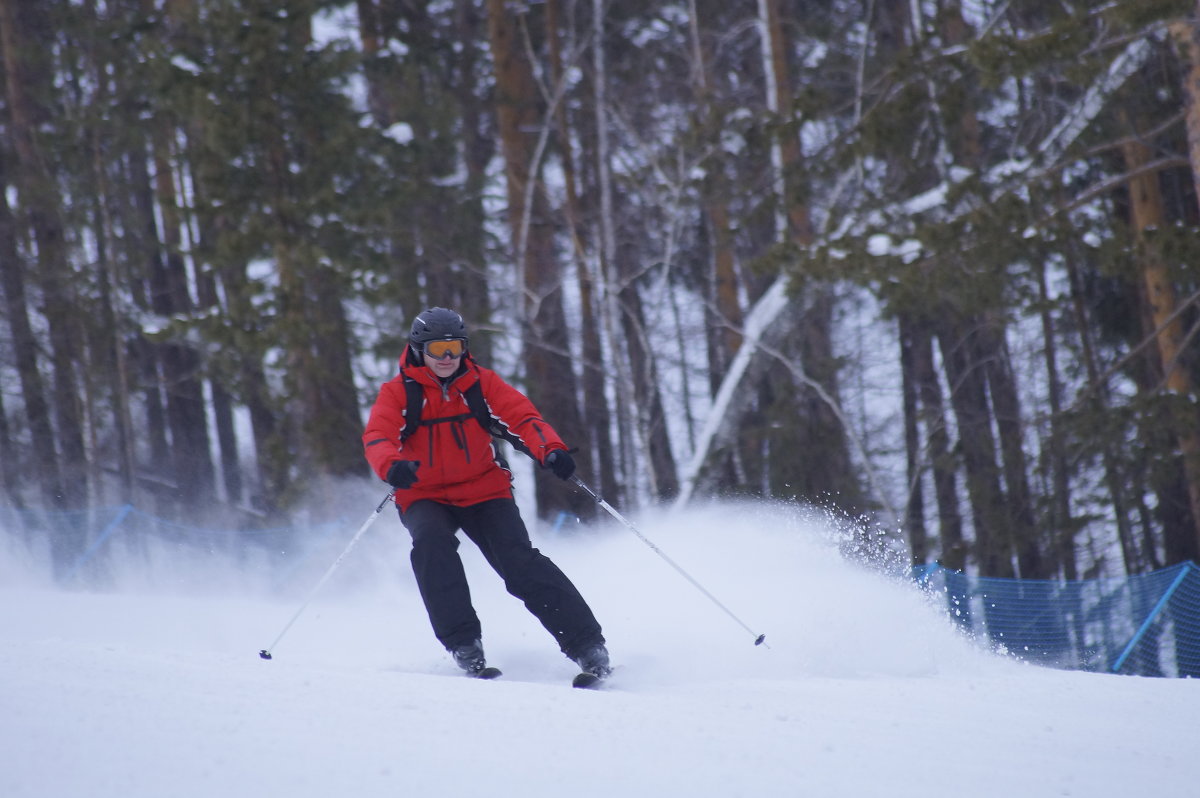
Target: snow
908	249
865	689
1126	64
400	132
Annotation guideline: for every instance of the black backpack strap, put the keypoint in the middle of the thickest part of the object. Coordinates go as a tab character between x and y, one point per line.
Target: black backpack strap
414	403
491	425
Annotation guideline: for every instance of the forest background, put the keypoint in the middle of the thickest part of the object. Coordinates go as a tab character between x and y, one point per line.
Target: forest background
931	265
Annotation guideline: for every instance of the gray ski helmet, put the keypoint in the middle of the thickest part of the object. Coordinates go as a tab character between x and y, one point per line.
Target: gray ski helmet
435	324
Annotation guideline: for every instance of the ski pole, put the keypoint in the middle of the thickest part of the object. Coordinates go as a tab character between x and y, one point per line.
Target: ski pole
758	638
266	652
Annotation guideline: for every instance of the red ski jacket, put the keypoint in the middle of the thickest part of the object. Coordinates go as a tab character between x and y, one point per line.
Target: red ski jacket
460	463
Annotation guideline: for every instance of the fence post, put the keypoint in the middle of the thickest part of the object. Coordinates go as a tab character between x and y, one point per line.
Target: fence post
104	535
921	574
1154	613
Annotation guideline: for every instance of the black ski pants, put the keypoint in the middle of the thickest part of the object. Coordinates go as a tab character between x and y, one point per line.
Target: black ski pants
496	527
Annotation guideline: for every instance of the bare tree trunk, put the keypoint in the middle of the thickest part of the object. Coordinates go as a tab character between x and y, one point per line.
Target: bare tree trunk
239	374
191	454
799	225
827	467
596	417
638	378
1113	477
479	147
25	38
100	78
1149	214
724	313
113	357
991	346
10	465
914	511
941	457
722	310
110	355
992	352
371	34
550	376
1062	528
646	393
267	423
43	465
968	396
631	450
313	327
143	248
378	23
339	429
208	297
1186	33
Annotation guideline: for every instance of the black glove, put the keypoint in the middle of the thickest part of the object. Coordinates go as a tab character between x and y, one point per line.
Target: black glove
561	463
402	474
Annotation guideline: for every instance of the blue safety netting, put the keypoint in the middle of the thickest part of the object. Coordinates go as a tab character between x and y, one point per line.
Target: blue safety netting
1147	624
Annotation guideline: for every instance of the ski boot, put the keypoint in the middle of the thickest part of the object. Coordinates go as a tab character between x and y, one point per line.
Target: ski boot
593	660
470	658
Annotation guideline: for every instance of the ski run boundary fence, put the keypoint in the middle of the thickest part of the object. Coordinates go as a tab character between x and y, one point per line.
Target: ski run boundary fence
1147	625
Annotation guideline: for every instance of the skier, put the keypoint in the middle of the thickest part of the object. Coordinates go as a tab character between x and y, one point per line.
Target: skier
449	475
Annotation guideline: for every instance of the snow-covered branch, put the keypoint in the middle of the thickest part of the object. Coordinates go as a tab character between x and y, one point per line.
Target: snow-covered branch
765	313
1050	150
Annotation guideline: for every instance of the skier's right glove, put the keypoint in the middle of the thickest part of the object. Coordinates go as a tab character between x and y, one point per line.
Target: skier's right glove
402	474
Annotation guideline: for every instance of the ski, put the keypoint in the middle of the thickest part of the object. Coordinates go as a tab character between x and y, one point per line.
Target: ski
587	681
583	680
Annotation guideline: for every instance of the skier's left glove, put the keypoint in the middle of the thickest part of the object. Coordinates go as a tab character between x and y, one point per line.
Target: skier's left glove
561	463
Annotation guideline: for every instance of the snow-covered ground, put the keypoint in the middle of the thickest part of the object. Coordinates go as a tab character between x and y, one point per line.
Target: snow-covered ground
864	690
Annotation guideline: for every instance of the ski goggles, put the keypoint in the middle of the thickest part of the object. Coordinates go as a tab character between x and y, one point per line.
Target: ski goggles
442	350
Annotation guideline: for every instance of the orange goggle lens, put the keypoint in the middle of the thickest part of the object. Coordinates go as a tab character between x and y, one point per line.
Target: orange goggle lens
440	350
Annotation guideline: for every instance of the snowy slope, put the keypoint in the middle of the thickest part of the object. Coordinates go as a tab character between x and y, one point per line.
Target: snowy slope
865	690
